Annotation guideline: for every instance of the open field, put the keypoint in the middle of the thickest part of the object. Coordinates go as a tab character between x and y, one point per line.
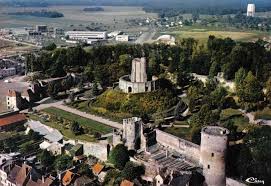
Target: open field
4	44
112	17
90	126
84	122
263	114
8	48
202	34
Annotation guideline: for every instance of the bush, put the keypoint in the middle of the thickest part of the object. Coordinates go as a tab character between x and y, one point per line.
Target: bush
63	162
119	156
113	177
132	171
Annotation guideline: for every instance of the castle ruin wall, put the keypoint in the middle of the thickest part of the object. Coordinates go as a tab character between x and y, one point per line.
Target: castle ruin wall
187	148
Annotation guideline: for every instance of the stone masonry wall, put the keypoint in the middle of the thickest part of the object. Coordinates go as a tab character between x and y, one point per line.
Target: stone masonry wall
98	150
187	148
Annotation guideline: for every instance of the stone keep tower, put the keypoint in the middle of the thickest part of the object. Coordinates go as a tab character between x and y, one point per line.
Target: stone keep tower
250	10
213	148
138	74
137	81
132	132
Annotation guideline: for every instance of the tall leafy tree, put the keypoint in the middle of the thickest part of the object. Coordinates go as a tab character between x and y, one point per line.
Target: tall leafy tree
268	90
250	90
240	76
254	159
119	156
132	171
45	158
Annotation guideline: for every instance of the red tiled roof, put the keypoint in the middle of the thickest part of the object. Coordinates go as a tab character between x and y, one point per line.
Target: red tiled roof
22	174
126	183
25	93
13	173
47	182
12	93
67	179
97	168
12	119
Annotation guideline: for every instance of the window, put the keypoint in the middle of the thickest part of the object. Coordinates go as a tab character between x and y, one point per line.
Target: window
212	154
208	166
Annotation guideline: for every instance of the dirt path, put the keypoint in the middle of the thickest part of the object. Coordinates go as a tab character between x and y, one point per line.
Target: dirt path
252	120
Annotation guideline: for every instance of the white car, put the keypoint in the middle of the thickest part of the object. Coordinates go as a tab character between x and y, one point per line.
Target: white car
7	81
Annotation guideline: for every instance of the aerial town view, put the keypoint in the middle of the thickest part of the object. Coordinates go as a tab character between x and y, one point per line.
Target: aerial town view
135	92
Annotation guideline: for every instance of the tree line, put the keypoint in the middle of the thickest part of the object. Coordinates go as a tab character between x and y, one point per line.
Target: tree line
172	12
106	64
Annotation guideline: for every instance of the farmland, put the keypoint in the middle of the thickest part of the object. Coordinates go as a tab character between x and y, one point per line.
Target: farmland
202	34
75	16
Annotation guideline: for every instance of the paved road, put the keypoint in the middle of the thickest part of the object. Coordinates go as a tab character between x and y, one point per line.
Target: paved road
89	116
145	37
252	120
20	42
59	105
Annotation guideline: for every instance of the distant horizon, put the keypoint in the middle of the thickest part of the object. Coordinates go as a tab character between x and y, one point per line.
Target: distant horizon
152	3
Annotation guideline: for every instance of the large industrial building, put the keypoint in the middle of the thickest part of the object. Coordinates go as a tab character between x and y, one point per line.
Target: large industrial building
251	10
86	35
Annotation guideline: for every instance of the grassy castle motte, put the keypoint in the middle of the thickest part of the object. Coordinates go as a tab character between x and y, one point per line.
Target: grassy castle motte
118	105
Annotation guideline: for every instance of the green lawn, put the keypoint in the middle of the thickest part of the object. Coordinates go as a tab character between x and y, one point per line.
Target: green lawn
263	114
229	113
93	125
66	132
90	125
236	117
179	132
181	122
202	33
7	134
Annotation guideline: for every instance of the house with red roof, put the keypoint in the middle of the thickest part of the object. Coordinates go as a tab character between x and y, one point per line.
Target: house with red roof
25	175
10	120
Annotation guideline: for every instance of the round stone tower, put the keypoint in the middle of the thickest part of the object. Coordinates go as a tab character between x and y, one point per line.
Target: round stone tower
137	81
213	148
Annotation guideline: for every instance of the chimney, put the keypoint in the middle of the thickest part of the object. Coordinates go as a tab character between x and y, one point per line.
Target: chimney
30	175
59	176
9	167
